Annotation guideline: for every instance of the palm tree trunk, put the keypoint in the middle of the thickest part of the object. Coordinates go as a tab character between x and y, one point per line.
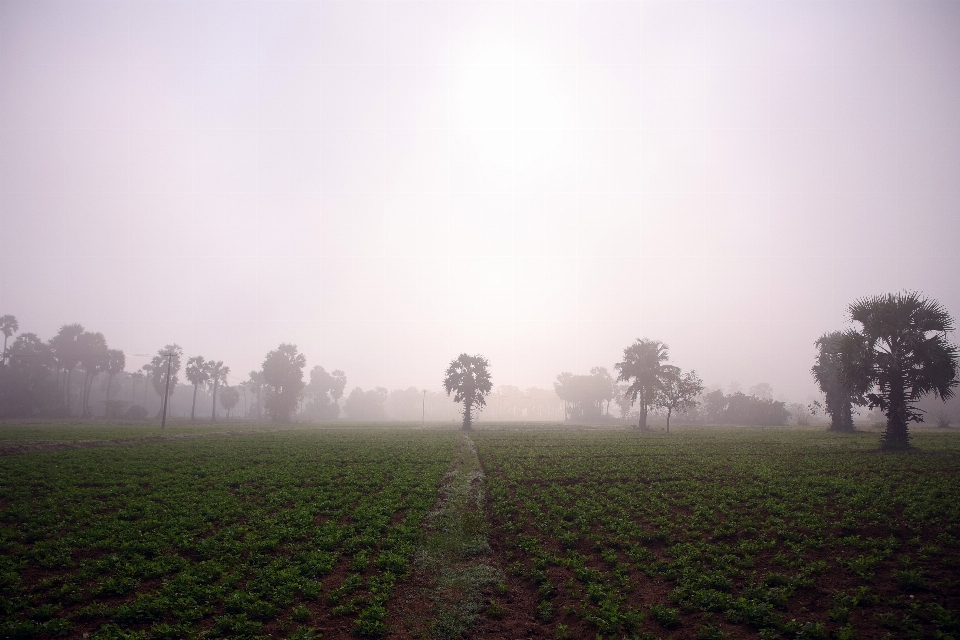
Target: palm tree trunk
193	407
69	374
83	394
467	417
896	435
213	417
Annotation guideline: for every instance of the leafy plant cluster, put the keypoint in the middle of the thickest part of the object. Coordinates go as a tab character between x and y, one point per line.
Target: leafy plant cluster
213	537
751	530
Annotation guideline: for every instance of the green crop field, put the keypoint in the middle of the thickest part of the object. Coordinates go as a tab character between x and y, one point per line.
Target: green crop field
699	534
595	533
253	535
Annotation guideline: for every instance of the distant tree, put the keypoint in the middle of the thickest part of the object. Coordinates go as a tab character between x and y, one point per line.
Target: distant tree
135	379
643	363
899	355
324	389
468	378
585	397
158	371
9	326
762	390
95	359
283	377
366	405
116	363
714	407
751	410
67	352
838	396
198	372
677	391
255	383
218	376
29	388
229	398
621	397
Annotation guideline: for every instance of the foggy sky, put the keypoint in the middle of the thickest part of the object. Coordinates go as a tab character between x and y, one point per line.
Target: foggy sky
389	184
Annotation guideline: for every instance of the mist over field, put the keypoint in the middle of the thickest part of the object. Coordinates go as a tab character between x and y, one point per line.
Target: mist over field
390	184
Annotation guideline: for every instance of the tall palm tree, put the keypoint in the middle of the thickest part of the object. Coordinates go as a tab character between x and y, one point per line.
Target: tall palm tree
899	355
116	363
66	350
218	376
198	372
256	386
643	363
95	359
159	366
826	372
468	377
9	326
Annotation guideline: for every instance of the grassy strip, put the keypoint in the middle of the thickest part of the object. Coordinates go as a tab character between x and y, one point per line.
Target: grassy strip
454	555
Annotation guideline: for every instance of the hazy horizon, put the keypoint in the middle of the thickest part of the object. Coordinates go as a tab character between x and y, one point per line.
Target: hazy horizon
390	184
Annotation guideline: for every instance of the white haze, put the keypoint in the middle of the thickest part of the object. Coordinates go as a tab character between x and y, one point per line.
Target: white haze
389	184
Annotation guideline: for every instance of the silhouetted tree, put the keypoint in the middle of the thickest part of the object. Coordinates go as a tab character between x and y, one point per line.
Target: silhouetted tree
218	376
256	386
366	405
622	399
585	397
158	371
198	372
67	352
9	326
839	398
714	406
95	359
229	398
325	388
677	391
468	377
29	388
899	355
642	364
116	363
283	376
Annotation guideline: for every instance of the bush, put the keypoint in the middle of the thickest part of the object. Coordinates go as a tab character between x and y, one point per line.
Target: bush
135	412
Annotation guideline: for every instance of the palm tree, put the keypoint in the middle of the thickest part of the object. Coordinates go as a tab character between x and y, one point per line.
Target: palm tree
9	326
158	366
256	386
900	355
469	377
94	357
116	362
218	375
65	349
229	398
643	363
837	396
198	372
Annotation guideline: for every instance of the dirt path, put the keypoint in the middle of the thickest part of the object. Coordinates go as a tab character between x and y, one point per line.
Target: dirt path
454	573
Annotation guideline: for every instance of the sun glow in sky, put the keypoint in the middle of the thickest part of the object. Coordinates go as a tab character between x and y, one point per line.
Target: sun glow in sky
511	106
